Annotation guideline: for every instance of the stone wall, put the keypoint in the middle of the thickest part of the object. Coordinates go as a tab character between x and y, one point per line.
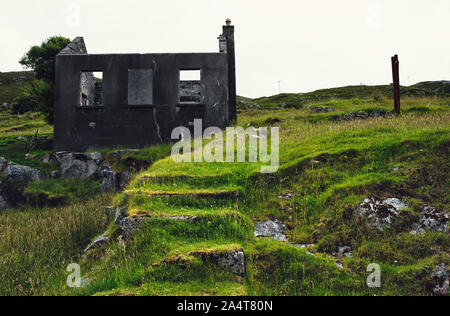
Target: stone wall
121	124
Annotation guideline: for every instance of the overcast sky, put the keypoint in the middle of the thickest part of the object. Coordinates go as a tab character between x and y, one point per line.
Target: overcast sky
307	44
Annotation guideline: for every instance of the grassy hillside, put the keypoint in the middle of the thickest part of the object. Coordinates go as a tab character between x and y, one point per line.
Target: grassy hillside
377	93
328	166
12	83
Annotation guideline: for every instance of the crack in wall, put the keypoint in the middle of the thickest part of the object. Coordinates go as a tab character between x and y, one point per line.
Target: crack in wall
158	130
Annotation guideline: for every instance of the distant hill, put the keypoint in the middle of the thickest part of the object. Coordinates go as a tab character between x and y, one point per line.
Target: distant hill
12	83
422	89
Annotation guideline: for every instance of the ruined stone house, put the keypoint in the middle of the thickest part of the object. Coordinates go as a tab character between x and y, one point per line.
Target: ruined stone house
136	100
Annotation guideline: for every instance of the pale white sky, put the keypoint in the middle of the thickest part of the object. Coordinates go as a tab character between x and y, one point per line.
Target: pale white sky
307	44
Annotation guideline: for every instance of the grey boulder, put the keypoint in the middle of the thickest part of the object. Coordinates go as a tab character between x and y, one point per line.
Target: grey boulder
272	229
441	280
17	172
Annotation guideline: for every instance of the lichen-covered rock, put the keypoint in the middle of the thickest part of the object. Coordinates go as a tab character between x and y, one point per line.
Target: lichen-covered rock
129	226
113	181
441	280
381	213
15	172
345	251
272	229
233	261
78	166
433	220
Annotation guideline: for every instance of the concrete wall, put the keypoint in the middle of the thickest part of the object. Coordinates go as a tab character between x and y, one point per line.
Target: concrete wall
119	125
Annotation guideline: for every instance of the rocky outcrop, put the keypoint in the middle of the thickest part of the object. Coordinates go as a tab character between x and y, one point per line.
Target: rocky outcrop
380	213
11	174
320	109
3	204
88	166
113	181
361	115
345	251
440	279
272	229
433	220
233	261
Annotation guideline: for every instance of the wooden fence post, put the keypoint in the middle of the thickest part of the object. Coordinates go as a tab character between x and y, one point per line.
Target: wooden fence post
396	77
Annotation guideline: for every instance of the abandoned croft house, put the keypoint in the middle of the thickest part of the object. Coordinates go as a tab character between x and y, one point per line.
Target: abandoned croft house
136	100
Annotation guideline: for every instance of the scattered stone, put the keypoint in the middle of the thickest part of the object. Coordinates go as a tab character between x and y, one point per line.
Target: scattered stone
113	181
119	216
100	241
109	211
272	229
320	109
349	116
378	113
305	246
97	157
339	265
46	159
15	172
286	196
78	166
380	213
345	251
362	115
3	163
433	220
54	174
441	280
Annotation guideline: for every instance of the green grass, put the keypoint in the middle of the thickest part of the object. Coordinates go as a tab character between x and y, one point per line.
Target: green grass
330	167
38	244
60	191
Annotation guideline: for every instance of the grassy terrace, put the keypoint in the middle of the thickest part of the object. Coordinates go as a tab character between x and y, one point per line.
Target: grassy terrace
329	167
